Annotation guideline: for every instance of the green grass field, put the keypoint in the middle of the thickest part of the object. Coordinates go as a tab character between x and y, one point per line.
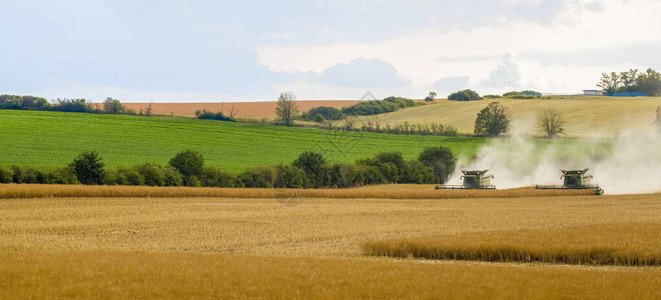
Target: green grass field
52	139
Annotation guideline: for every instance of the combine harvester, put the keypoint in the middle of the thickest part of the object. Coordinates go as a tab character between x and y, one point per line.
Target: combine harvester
574	180
473	180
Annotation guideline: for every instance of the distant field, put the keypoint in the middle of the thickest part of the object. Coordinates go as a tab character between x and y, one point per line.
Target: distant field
585	116
52	139
257	110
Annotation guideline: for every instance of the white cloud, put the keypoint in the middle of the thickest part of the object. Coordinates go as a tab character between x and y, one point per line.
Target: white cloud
429	54
506	74
361	72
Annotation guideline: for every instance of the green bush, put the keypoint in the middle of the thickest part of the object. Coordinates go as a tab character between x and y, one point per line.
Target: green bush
441	160
189	163
207	115
24	175
88	167
262	177
375	107
287	176
172	177
6	175
153	174
465	95
63	176
214	177
131	176
314	166
322	113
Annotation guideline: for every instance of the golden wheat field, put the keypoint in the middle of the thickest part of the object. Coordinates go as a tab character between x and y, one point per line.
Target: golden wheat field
309	245
585	116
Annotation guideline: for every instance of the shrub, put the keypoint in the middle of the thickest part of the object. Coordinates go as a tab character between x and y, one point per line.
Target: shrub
188	163
441	160
153	174
262	177
207	115
391	165
6	175
88	167
71	105
375	107
214	177
325	112
23	175
131	176
113	106
465	95
113	177
366	175
64	176
290	177
172	177
314	166
419	173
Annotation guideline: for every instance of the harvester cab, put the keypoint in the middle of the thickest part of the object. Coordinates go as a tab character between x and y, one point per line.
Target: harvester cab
473	180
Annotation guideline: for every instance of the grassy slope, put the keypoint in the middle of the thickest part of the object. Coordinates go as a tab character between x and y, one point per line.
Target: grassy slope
52	139
584	115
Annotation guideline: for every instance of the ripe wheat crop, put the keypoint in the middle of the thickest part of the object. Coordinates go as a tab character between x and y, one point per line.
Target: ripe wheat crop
380	191
624	244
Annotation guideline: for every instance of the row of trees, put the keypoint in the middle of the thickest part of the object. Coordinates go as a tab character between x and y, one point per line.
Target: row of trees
309	170
648	82
287	111
109	106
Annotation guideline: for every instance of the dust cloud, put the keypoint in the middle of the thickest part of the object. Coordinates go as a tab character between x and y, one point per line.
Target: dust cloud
629	163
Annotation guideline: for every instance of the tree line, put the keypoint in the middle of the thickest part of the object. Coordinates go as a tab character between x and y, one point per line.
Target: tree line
631	81
309	170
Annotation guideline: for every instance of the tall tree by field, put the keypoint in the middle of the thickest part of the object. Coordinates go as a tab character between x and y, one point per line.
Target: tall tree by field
431	97
286	109
314	166
441	160
190	164
649	82
492	120
609	83
551	122
88	167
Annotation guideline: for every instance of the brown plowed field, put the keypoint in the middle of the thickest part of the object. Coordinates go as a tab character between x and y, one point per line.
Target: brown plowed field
262	109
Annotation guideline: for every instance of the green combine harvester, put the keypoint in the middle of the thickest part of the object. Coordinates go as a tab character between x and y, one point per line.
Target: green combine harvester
574	180
473	180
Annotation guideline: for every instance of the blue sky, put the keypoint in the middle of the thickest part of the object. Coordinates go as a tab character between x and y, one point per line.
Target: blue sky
178	51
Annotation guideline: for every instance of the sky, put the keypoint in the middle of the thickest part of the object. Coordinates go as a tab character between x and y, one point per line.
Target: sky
211	51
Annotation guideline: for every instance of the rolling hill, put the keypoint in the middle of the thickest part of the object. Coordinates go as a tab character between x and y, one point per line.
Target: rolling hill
52	139
585	116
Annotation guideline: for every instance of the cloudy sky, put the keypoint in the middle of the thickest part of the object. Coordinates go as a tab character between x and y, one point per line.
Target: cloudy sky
185	50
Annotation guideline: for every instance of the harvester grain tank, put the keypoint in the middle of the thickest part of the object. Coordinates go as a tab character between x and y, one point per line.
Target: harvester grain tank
575	180
473	180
